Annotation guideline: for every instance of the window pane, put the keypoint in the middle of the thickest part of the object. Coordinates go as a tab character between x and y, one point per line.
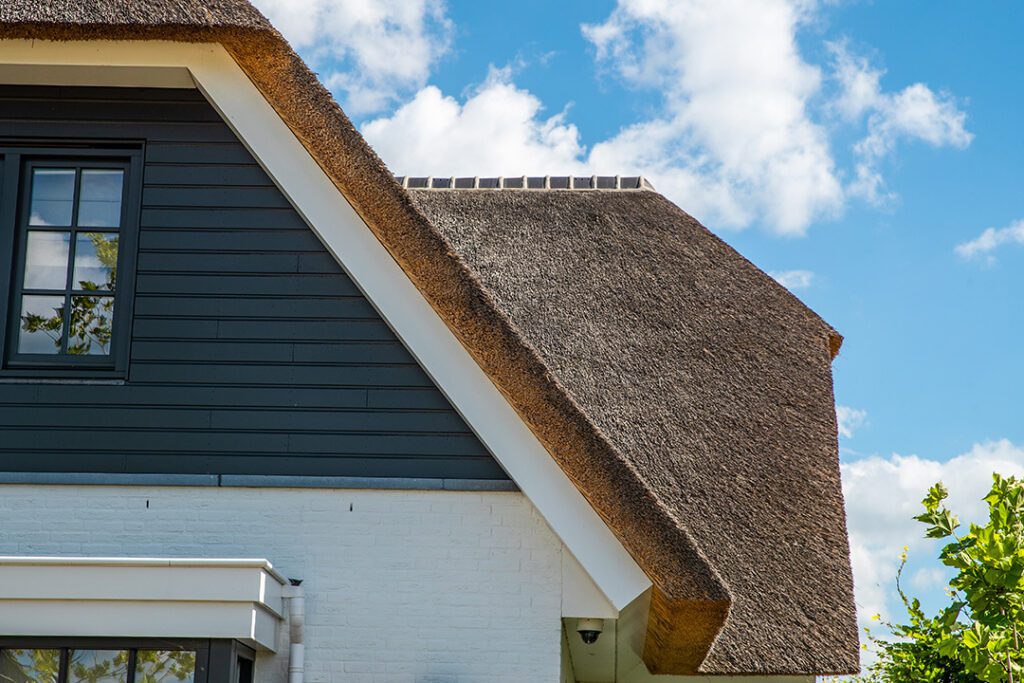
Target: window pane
42	322
98	666
30	666
91	324
99	204
95	261
53	195
46	260
163	666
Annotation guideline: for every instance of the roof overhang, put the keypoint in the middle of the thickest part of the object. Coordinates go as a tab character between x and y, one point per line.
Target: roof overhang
237	599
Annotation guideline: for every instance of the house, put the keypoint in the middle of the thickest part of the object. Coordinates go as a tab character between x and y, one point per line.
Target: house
267	413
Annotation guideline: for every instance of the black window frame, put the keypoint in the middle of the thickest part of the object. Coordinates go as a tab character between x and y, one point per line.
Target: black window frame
16	163
217	660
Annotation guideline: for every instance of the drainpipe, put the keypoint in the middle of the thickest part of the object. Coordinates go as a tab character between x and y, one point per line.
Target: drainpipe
296	621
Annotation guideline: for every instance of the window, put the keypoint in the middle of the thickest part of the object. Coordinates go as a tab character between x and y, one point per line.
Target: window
111	660
70	220
82	665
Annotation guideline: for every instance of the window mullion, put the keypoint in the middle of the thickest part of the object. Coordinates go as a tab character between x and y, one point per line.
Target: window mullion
75	197
66	327
72	247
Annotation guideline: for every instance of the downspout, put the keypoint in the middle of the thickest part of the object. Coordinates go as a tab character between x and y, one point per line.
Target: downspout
296	622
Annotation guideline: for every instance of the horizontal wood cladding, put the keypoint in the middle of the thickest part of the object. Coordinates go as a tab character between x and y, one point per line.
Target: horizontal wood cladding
252	351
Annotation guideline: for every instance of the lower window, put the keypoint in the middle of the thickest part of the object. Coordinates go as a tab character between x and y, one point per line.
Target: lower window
106	660
60	665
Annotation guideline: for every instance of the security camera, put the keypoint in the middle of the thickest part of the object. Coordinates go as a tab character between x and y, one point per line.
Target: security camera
589	629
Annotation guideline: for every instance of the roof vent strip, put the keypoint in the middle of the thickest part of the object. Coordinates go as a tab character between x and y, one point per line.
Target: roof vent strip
595	182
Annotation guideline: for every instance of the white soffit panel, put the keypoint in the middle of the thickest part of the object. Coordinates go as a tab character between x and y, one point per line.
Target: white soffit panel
113	77
141	598
580	597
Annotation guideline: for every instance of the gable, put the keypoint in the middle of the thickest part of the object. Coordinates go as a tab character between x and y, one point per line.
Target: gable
252	352
413	276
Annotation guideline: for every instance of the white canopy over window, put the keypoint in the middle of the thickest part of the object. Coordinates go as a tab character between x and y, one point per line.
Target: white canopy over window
239	599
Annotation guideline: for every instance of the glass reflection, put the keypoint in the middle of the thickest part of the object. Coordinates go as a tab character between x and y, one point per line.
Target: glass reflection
95	261
29	666
42	324
165	666
99	204
98	666
91	323
46	260
53	196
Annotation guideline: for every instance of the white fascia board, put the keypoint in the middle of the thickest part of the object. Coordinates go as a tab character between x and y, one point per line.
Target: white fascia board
106	581
141	597
111	619
380	278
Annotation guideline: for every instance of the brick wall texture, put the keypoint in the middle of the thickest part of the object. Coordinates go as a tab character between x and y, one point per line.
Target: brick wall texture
401	586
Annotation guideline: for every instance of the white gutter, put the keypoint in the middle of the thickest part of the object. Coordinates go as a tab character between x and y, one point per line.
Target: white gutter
295	594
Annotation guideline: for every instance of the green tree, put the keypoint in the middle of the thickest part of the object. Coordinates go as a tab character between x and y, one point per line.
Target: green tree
914	654
165	666
89	323
978	635
29	666
85	666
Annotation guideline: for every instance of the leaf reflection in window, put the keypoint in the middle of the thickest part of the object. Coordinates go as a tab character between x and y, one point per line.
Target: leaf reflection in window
91	318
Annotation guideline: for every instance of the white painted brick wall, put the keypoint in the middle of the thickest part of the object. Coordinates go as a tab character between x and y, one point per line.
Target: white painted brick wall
402	586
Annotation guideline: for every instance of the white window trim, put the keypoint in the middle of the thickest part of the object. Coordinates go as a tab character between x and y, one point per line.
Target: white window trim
364	258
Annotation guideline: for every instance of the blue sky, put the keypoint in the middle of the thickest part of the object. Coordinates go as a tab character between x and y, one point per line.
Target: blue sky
847	147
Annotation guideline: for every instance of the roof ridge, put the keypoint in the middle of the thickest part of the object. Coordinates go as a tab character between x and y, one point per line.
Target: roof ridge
547	182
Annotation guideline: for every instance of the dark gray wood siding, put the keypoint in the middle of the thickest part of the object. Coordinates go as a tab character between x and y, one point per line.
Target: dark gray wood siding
252	352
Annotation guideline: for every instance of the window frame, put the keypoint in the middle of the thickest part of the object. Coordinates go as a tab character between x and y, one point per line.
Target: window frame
216	659
16	163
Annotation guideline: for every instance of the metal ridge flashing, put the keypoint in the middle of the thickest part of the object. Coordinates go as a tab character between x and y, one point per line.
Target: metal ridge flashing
548	182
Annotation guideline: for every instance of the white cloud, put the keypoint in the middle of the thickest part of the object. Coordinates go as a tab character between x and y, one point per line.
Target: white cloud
735	139
882	497
499	130
850	420
733	144
991	239
374	51
793	279
914	113
930	578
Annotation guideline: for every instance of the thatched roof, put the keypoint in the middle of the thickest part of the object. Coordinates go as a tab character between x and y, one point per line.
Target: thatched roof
685	393
708	389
